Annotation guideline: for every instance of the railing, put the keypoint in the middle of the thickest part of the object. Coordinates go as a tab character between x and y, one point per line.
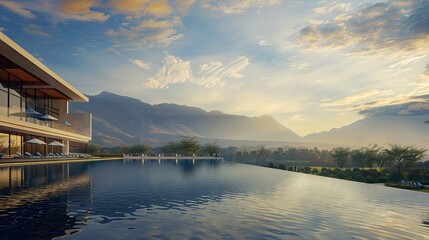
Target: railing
170	156
78	123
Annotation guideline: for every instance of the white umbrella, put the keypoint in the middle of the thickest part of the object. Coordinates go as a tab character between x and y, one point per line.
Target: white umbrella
56	143
35	141
29	112
48	118
64	123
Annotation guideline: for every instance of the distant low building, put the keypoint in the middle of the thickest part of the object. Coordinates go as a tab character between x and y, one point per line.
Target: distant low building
34	104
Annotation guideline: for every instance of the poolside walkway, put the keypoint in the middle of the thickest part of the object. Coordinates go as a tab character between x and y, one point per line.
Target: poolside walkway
33	161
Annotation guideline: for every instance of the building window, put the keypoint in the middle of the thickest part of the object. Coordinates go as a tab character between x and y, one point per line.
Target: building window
4	144
15	144
3	101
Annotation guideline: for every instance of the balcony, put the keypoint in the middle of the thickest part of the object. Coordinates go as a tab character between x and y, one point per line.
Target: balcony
74	123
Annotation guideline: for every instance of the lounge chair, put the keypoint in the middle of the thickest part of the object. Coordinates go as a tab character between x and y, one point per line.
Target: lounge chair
39	155
27	154
1	155
18	155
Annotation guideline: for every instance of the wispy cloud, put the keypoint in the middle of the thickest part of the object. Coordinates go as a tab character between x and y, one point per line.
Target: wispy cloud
37	31
374	29
298	117
412	105
263	43
236	6
81	10
174	71
18	8
353	99
424	77
213	74
141	63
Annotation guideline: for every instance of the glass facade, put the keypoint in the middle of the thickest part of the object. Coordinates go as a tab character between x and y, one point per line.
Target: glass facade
11	144
26	99
15	98
4	144
14	144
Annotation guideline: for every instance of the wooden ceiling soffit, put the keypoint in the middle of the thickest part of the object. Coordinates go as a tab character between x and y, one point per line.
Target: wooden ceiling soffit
19	74
53	93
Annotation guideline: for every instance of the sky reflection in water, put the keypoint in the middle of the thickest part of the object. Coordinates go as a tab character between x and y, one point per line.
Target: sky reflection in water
202	200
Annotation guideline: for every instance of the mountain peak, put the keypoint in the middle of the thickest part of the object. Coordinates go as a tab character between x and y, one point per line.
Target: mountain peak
266	116
216	112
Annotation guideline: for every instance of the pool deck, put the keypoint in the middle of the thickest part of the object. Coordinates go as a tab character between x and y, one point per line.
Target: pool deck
6	162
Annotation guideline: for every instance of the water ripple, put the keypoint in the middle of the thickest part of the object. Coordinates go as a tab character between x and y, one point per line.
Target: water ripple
131	200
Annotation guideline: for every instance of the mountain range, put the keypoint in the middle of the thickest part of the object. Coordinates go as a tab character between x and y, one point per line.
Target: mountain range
120	120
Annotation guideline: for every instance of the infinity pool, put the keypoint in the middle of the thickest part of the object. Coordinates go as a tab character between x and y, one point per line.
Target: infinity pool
131	199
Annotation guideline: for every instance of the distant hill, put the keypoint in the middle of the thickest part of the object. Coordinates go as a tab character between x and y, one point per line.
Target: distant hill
383	130
120	120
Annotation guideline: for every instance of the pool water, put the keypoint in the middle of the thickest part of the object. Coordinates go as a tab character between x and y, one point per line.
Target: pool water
133	199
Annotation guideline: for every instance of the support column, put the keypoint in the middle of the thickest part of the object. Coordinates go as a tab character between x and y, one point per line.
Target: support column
66	147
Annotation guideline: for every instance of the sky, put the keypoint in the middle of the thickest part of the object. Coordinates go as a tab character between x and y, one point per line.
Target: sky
312	64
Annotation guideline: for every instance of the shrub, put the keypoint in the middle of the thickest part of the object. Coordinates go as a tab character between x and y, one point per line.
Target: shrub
340	175
324	173
314	171
306	170
359	178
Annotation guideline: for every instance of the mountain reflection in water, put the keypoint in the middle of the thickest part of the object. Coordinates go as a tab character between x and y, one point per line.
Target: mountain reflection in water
201	199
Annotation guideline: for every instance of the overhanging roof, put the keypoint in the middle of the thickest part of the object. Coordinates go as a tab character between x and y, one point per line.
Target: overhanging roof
30	64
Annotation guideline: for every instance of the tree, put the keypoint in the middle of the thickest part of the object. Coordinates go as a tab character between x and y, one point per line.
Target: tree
400	158
92	149
188	145
340	156
358	156
381	160
141	148
371	154
212	149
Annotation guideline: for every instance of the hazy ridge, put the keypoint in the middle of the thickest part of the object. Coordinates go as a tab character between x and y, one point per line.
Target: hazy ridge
121	120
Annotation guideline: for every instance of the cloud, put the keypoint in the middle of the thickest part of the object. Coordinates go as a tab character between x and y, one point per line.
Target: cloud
174	71
36	30
298	117
141	64
158	8
236	6
153	84
424	77
263	43
213	74
147	33
183	5
394	27
355	98
59	10
18	8
412	106
128	6
81	10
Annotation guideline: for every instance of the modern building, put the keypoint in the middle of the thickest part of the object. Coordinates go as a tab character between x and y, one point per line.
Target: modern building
34	105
